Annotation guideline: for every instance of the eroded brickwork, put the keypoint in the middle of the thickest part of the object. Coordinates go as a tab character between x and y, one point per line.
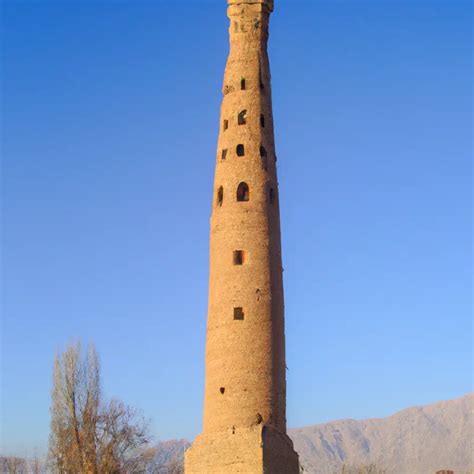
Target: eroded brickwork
244	428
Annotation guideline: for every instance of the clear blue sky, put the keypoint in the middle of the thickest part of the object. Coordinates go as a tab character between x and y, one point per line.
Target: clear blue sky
110	118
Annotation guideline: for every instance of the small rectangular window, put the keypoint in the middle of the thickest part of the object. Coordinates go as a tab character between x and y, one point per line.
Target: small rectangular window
238	314
242	84
224	153
239	257
226	124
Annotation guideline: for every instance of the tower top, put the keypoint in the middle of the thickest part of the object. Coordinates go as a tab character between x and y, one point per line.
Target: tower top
267	3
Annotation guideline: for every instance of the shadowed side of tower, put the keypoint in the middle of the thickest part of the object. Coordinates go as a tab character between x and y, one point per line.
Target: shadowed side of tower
244	428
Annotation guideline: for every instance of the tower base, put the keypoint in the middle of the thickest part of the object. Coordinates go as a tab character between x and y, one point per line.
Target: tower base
255	450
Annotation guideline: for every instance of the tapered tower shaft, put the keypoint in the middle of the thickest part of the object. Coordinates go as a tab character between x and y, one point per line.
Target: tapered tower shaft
245	354
245	388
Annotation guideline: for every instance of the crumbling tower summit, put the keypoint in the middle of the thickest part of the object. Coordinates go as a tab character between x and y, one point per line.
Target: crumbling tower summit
244	426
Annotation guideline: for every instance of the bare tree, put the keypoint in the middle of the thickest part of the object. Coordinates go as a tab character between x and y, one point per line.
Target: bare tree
89	435
36	465
13	465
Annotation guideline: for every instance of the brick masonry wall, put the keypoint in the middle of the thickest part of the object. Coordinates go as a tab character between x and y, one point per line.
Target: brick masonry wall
245	387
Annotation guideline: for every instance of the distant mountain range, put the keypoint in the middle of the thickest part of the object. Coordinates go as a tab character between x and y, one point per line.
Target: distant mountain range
418	440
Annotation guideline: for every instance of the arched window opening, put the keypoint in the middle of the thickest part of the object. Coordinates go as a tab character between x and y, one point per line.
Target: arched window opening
224	154
262	120
220	196
239	314
243	192
272	196
242	84
240	150
263	152
241	119
225	125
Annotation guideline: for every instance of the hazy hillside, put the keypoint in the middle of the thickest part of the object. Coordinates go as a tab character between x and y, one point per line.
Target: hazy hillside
418	440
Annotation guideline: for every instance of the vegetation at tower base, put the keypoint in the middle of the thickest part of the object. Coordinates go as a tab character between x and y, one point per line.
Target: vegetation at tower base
17	465
88	434
165	457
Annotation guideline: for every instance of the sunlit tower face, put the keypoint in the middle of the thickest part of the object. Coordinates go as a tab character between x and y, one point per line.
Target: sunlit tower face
244	425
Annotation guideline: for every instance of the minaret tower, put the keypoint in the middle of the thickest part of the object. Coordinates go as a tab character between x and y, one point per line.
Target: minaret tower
244	429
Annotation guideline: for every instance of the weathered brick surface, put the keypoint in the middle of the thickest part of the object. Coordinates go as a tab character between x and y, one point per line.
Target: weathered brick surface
251	450
245	386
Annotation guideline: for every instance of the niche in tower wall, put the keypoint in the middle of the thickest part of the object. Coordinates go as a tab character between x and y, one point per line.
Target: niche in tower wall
220	196
238	257
243	193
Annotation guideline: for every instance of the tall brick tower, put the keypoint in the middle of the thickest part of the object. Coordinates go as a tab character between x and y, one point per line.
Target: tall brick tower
244	428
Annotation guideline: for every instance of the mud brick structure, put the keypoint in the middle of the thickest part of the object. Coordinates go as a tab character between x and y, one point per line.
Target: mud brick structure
244	428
